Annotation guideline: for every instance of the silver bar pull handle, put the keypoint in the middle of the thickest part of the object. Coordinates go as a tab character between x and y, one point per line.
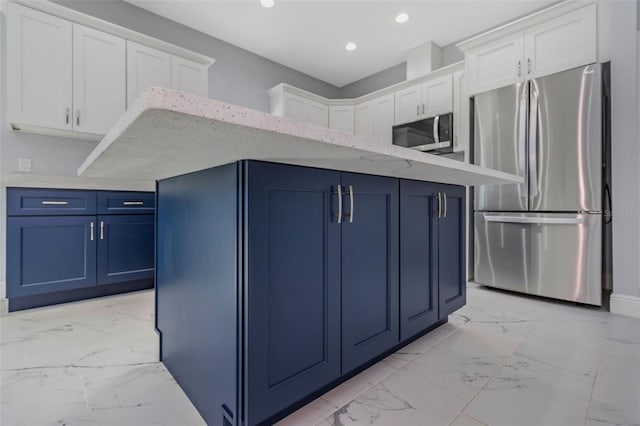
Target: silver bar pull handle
577	220
436	122
54	203
102	230
351	201
519	68
439	205
92	231
133	203
533	143
417	110
339	192
422	109
522	140
78	117
67	112
529	65
444	212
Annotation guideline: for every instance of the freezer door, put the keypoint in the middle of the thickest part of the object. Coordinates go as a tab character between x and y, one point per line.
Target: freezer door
565	141
500	133
553	255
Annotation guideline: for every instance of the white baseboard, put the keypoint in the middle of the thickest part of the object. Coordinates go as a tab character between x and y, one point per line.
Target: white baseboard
622	304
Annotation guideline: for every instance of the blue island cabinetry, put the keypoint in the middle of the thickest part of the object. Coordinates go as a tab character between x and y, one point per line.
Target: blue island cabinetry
277	282
65	245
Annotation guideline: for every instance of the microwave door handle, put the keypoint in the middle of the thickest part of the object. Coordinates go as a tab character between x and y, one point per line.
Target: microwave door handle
436	136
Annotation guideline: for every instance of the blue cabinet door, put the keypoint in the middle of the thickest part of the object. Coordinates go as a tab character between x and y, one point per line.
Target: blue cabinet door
292	286
451	250
418	280
47	254
369	268
125	248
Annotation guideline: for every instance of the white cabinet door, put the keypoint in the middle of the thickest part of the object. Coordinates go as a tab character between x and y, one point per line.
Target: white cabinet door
39	69
408	104
341	118
99	80
295	107
365	120
146	67
189	76
437	96
497	64
460	112
317	113
384	119
562	43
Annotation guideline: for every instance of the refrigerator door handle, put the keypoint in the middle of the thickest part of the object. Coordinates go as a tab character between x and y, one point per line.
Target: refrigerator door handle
533	142
536	220
522	141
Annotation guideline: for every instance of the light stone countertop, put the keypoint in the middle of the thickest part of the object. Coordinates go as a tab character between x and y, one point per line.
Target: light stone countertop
166	133
28	180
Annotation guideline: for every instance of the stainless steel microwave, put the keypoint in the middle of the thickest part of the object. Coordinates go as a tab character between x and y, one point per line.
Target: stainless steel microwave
434	134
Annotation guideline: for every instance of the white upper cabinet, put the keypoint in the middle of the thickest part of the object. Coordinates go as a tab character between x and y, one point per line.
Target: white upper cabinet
341	117
408	104
558	44
365	120
146	67
437	96
497	64
424	100
374	119
98	80
295	107
562	43
39	68
384	119
460	112
189	76
317	113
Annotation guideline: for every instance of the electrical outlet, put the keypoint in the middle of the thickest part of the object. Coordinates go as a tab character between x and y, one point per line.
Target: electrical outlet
24	165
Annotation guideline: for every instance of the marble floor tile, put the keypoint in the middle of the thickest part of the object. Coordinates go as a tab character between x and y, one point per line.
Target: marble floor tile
469	356
466	420
411	396
526	392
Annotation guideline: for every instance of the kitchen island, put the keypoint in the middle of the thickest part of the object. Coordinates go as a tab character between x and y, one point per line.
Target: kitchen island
278	261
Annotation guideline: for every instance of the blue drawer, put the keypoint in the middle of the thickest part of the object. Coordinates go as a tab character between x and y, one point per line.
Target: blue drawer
125	202
50	202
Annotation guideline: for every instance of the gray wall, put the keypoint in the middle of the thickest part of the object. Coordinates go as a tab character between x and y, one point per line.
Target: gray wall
393	75
625	145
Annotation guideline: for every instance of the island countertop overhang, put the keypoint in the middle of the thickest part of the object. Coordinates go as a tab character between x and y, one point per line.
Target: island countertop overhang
167	133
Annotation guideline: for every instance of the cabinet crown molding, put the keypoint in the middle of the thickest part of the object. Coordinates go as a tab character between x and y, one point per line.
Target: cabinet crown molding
108	27
523	23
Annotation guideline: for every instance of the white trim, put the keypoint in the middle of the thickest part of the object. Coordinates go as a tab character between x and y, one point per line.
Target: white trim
102	25
3	290
523	23
622	304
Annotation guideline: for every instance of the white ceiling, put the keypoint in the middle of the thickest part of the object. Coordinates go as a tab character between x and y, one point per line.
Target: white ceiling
309	36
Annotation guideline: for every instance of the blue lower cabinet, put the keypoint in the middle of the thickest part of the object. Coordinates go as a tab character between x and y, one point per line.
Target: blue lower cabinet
276	282
418	280
451	250
125	248
48	254
59	251
292	285
369	268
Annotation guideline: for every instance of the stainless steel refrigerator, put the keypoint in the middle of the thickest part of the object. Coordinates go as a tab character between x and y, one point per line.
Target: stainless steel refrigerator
544	236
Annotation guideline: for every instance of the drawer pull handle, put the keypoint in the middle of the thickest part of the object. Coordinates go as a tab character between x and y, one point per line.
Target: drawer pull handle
55	203
102	230
133	203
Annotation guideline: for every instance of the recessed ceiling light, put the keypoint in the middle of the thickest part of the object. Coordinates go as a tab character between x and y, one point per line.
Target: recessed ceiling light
401	18
351	46
267	3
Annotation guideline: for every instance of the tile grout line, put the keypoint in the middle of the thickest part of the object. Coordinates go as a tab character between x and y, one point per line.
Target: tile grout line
595	381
